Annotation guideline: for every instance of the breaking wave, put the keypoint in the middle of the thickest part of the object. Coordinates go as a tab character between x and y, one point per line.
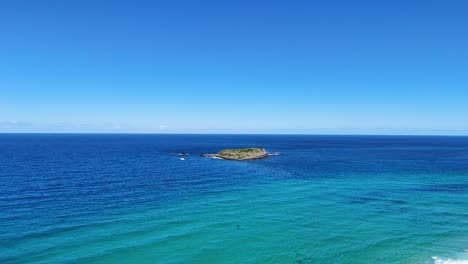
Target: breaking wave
438	260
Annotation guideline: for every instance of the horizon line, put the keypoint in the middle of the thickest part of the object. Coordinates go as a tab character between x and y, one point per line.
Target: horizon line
259	134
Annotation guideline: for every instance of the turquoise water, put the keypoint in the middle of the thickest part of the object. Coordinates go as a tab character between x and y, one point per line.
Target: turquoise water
323	199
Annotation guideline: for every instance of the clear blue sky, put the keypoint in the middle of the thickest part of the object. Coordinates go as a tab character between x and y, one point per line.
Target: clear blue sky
360	67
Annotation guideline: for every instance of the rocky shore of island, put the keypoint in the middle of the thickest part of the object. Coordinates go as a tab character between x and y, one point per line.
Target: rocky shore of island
240	154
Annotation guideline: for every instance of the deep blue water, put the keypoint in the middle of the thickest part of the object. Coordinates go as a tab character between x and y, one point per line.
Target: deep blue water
94	198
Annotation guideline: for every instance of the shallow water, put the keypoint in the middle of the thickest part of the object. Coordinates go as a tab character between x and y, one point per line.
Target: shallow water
323	199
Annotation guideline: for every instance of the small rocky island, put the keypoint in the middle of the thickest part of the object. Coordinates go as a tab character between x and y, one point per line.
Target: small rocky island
240	154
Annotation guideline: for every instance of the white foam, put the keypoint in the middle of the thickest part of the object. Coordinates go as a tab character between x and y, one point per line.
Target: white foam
438	260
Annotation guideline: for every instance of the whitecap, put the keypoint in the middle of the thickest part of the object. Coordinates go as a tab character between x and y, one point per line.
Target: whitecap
438	260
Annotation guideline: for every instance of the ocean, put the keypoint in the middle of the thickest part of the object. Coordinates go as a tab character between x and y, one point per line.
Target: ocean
118	198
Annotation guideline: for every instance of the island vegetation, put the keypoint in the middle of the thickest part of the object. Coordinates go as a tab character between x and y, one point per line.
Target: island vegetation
240	154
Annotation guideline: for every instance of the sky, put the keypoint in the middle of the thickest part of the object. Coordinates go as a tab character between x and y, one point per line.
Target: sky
318	67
